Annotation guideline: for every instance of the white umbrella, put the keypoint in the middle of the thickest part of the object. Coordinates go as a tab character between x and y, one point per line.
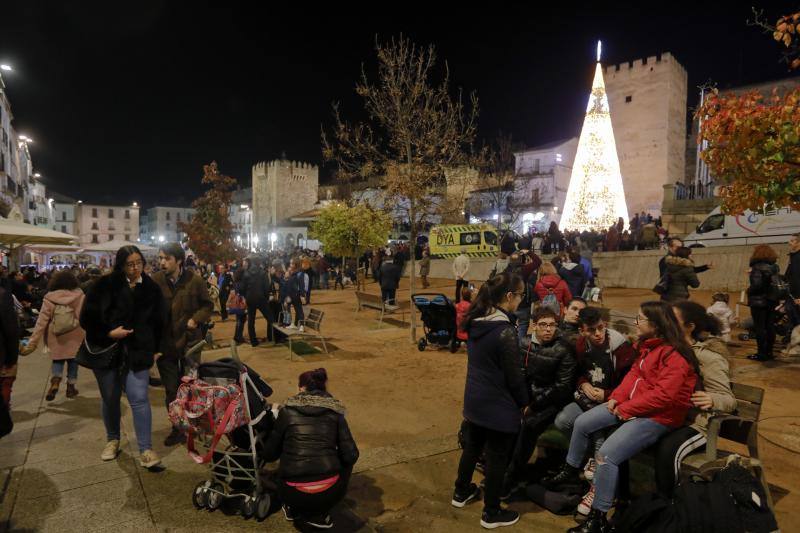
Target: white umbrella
113	245
18	233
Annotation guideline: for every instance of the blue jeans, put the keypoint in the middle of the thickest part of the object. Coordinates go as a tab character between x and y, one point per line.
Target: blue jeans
523	314
565	421
630	438
72	370
109	381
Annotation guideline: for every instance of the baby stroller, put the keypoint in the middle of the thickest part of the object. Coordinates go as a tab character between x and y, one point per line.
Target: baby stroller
438	319
234	457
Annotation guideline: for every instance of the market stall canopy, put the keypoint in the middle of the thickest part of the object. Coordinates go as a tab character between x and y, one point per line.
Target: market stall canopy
14	233
114	245
52	248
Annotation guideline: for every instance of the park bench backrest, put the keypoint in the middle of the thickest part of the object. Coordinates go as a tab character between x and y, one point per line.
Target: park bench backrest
314	319
748	405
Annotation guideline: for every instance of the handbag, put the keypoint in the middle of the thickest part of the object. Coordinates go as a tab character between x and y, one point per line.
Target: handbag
662	286
98	358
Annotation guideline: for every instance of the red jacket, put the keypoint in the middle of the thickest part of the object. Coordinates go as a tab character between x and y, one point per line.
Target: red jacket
461	310
558	286
658	385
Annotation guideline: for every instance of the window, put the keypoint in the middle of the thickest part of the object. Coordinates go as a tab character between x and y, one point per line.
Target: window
94	226
127	214
111	237
94	212
490	238
628	99
167	215
714	222
470	238
63	229
94	239
536	166
189	217
110	213
168	225
177	217
127	237
64	216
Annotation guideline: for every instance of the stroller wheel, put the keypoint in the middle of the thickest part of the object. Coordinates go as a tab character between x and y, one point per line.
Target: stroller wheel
263	503
421	345
214	496
200	495
248	507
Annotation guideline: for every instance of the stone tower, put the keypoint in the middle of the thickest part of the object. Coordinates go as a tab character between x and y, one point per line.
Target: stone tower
282	189
647	98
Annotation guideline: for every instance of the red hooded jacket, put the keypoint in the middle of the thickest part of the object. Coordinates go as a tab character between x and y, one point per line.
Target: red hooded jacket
558	286
658	385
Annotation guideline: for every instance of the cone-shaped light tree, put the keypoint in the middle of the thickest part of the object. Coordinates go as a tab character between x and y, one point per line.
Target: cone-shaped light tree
595	197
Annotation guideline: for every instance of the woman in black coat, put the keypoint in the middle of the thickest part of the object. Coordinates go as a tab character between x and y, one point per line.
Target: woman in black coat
681	275
125	308
763	299
316	451
494	396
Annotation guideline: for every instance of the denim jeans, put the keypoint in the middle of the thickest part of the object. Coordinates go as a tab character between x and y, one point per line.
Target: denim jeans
523	314
565	421
109	381
629	439
72	370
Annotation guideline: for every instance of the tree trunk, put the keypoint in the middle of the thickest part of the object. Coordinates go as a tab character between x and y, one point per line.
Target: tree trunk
413	275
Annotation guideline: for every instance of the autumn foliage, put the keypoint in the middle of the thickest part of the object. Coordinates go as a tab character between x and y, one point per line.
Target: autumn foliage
753	148
210	232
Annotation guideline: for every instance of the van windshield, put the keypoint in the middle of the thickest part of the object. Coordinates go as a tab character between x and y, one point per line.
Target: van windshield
714	222
470	238
490	238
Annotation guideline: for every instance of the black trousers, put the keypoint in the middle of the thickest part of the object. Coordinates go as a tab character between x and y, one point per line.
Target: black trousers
223	304
764	328
306	505
169	368
252	307
533	425
238	334
388	295
671	449
498	446
459	284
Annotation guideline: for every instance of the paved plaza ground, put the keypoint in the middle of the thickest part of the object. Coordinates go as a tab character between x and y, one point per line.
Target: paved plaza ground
404	410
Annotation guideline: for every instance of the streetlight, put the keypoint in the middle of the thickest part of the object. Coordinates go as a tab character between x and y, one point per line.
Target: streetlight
37	175
5	67
255	242
160	238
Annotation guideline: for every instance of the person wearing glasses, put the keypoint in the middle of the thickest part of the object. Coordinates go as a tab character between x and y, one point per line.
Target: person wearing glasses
652	400
549	365
125	307
603	357
494	395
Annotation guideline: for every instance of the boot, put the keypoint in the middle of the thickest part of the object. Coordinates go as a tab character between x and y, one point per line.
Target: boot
596	522
71	390
51	392
567	479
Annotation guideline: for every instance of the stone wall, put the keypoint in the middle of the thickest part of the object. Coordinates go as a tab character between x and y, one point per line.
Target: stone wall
282	189
647	99
639	270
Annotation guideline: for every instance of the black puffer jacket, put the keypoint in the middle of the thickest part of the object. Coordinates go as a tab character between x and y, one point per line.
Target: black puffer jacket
111	303
311	438
495	391
549	371
758	293
681	276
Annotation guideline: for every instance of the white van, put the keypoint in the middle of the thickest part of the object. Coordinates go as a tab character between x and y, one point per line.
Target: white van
719	229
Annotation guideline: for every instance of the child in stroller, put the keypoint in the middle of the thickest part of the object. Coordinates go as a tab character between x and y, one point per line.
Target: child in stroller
438	319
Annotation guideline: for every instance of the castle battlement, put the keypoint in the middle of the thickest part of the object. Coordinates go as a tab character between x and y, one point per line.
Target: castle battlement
647	64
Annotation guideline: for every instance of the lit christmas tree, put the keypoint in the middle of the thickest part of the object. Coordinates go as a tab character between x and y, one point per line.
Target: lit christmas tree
595	198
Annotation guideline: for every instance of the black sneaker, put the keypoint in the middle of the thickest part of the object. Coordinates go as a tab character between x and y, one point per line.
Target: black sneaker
500	518
462	499
566	480
323	522
174	438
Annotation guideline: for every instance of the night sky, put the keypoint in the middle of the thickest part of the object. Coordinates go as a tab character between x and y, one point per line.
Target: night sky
127	100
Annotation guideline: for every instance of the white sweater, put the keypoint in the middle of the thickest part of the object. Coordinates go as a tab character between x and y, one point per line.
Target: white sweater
461	266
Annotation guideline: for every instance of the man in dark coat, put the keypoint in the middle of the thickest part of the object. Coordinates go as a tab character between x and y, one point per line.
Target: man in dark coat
187	307
254	287
224	284
389	279
9	345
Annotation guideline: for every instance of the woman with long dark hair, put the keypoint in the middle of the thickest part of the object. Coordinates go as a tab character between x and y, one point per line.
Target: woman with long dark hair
702	332
494	396
652	400
125	308
763	299
316	451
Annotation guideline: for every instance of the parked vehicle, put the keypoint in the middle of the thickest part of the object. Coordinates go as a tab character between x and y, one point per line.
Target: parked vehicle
476	240
749	228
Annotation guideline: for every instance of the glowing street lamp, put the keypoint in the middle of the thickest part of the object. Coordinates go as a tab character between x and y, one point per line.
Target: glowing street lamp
5	67
160	238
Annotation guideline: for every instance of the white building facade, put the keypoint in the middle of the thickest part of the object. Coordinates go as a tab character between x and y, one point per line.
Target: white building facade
162	224
100	223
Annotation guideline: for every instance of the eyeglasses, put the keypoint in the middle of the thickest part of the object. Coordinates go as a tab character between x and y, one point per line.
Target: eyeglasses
640	319
134	264
546	325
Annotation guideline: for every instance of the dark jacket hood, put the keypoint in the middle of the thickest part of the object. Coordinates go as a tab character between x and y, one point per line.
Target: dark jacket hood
315	403
498	318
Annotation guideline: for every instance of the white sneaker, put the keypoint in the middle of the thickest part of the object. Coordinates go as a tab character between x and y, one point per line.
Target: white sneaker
301	329
111	451
588	472
585	507
291	326
149	459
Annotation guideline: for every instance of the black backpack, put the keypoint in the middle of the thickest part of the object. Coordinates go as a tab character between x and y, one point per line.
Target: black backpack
732	502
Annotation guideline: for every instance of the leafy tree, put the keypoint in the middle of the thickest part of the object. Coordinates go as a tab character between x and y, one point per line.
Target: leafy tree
416	129
210	232
348	231
786	31
754	148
